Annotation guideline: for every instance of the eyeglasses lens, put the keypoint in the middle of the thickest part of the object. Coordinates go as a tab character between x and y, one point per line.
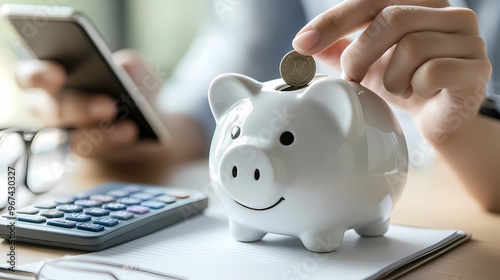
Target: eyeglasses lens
12	165
47	165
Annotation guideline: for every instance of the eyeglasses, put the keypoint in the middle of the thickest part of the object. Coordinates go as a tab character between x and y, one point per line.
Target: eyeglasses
31	158
83	269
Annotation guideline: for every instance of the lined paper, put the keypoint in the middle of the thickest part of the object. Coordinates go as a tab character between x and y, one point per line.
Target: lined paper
202	248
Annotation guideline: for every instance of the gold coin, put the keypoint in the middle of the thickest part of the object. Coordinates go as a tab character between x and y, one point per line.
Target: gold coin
296	69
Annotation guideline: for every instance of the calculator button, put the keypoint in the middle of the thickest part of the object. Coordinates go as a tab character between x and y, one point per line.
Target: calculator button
166	198
81	196
131	189
118	193
155	192
90	227
153	204
28	210
122	215
61	223
88	203
46	205
113	206
52	213
97	212
136	209
142	196
129	201
64	201
180	195
105	221
31	218
69	208
78	217
103	198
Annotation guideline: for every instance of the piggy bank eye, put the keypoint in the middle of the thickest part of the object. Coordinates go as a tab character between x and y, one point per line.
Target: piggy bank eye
235	132
287	138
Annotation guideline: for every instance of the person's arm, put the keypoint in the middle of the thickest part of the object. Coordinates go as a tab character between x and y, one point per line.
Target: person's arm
473	152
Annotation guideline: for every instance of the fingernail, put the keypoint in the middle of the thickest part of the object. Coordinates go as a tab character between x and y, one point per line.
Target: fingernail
306	41
101	108
36	79
123	132
44	78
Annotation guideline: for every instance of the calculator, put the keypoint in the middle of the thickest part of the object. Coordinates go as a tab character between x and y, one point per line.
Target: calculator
107	215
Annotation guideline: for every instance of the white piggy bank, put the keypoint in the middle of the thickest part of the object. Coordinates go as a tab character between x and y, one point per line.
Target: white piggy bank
309	162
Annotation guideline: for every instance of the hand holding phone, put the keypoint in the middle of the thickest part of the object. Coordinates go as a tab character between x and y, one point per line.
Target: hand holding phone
92	92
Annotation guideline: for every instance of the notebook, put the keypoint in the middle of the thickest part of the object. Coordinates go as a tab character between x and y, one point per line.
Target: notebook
202	248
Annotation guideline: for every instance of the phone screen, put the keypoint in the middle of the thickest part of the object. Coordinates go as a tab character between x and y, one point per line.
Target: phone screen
67	43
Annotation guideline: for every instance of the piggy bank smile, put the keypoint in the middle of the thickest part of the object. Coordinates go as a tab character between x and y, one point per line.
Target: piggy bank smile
263	209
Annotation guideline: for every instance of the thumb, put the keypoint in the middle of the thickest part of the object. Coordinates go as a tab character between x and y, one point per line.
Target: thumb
144	75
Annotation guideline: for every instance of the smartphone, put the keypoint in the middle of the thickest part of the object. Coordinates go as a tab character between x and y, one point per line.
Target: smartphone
66	36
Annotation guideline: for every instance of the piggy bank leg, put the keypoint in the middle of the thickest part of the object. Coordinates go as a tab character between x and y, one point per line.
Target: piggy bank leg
374	229
323	241
245	233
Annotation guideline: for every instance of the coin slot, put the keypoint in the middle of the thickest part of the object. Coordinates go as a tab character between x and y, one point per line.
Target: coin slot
287	87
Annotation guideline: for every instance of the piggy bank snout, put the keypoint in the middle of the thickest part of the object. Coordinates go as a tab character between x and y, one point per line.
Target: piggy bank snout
249	176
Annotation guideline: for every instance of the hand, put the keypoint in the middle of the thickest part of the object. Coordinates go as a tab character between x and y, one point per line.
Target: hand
421	55
97	135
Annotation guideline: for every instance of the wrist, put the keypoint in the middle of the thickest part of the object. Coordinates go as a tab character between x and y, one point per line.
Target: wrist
448	115
439	132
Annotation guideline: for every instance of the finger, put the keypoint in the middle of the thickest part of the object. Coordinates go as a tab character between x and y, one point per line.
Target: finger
140	152
328	27
393	23
96	142
453	74
145	77
342	20
44	108
331	55
415	49
40	74
79	109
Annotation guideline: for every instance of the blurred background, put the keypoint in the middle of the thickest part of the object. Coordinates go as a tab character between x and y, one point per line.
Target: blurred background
142	25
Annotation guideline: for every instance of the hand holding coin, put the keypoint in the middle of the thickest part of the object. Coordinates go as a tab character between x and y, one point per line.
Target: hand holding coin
296	69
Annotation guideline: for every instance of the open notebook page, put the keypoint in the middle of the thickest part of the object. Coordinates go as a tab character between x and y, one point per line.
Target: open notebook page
202	248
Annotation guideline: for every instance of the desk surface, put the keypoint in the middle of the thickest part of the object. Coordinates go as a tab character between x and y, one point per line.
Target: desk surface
433	197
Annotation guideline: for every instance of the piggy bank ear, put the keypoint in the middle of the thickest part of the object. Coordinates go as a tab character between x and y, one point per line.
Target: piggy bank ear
341	101
227	89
